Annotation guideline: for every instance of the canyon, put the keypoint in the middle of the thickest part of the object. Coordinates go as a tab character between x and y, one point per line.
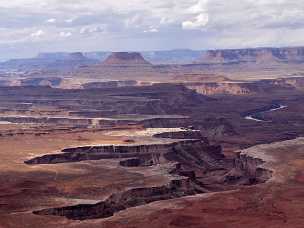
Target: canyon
126	139
192	166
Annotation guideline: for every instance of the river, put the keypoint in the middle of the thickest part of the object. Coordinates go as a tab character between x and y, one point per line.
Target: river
256	116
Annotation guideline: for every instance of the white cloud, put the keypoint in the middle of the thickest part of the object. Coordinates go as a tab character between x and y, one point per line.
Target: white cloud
93	29
65	34
38	34
23	3
151	30
199	22
70	20
199	7
200	18
133	21
51	20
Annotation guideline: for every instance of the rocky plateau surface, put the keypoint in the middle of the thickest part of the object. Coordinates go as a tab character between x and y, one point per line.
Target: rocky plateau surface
193	165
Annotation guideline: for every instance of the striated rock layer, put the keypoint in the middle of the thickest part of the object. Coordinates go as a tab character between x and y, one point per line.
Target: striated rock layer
246	88
193	167
254	55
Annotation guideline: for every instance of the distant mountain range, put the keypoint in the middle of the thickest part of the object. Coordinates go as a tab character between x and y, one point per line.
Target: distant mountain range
49	61
253	55
71	61
173	56
157	57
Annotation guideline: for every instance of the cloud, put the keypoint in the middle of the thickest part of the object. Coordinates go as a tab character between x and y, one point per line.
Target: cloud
93	29
65	34
137	24
38	34
70	20
151	30
51	20
199	7
199	22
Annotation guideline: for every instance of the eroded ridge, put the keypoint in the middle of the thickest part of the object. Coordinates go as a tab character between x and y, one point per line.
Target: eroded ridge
193	166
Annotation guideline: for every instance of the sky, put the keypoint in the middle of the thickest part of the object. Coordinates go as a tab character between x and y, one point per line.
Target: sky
28	27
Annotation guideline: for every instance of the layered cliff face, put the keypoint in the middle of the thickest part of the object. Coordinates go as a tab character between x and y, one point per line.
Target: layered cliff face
125	59
246	88
122	201
186	134
295	82
257	55
199	168
50	81
206	78
220	88
109	84
108	152
193	166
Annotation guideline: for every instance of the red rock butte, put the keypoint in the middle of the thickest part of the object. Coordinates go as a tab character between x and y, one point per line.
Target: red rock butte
126	59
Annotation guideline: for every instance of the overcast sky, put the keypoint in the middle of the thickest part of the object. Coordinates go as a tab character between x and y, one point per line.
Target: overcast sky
31	26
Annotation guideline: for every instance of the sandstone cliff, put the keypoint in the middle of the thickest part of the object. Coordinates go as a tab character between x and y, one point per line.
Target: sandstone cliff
196	168
125	59
246	88
220	88
109	84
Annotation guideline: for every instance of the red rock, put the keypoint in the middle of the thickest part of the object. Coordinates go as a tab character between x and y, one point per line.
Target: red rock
125	58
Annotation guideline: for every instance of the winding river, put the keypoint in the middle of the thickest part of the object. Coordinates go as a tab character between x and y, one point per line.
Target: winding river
257	115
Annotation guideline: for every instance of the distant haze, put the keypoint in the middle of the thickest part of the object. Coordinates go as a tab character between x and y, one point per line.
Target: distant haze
28	27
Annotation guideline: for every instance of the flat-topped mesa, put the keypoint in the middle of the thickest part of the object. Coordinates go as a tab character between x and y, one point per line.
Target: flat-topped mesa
45	62
76	56
125	59
62	56
253	55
